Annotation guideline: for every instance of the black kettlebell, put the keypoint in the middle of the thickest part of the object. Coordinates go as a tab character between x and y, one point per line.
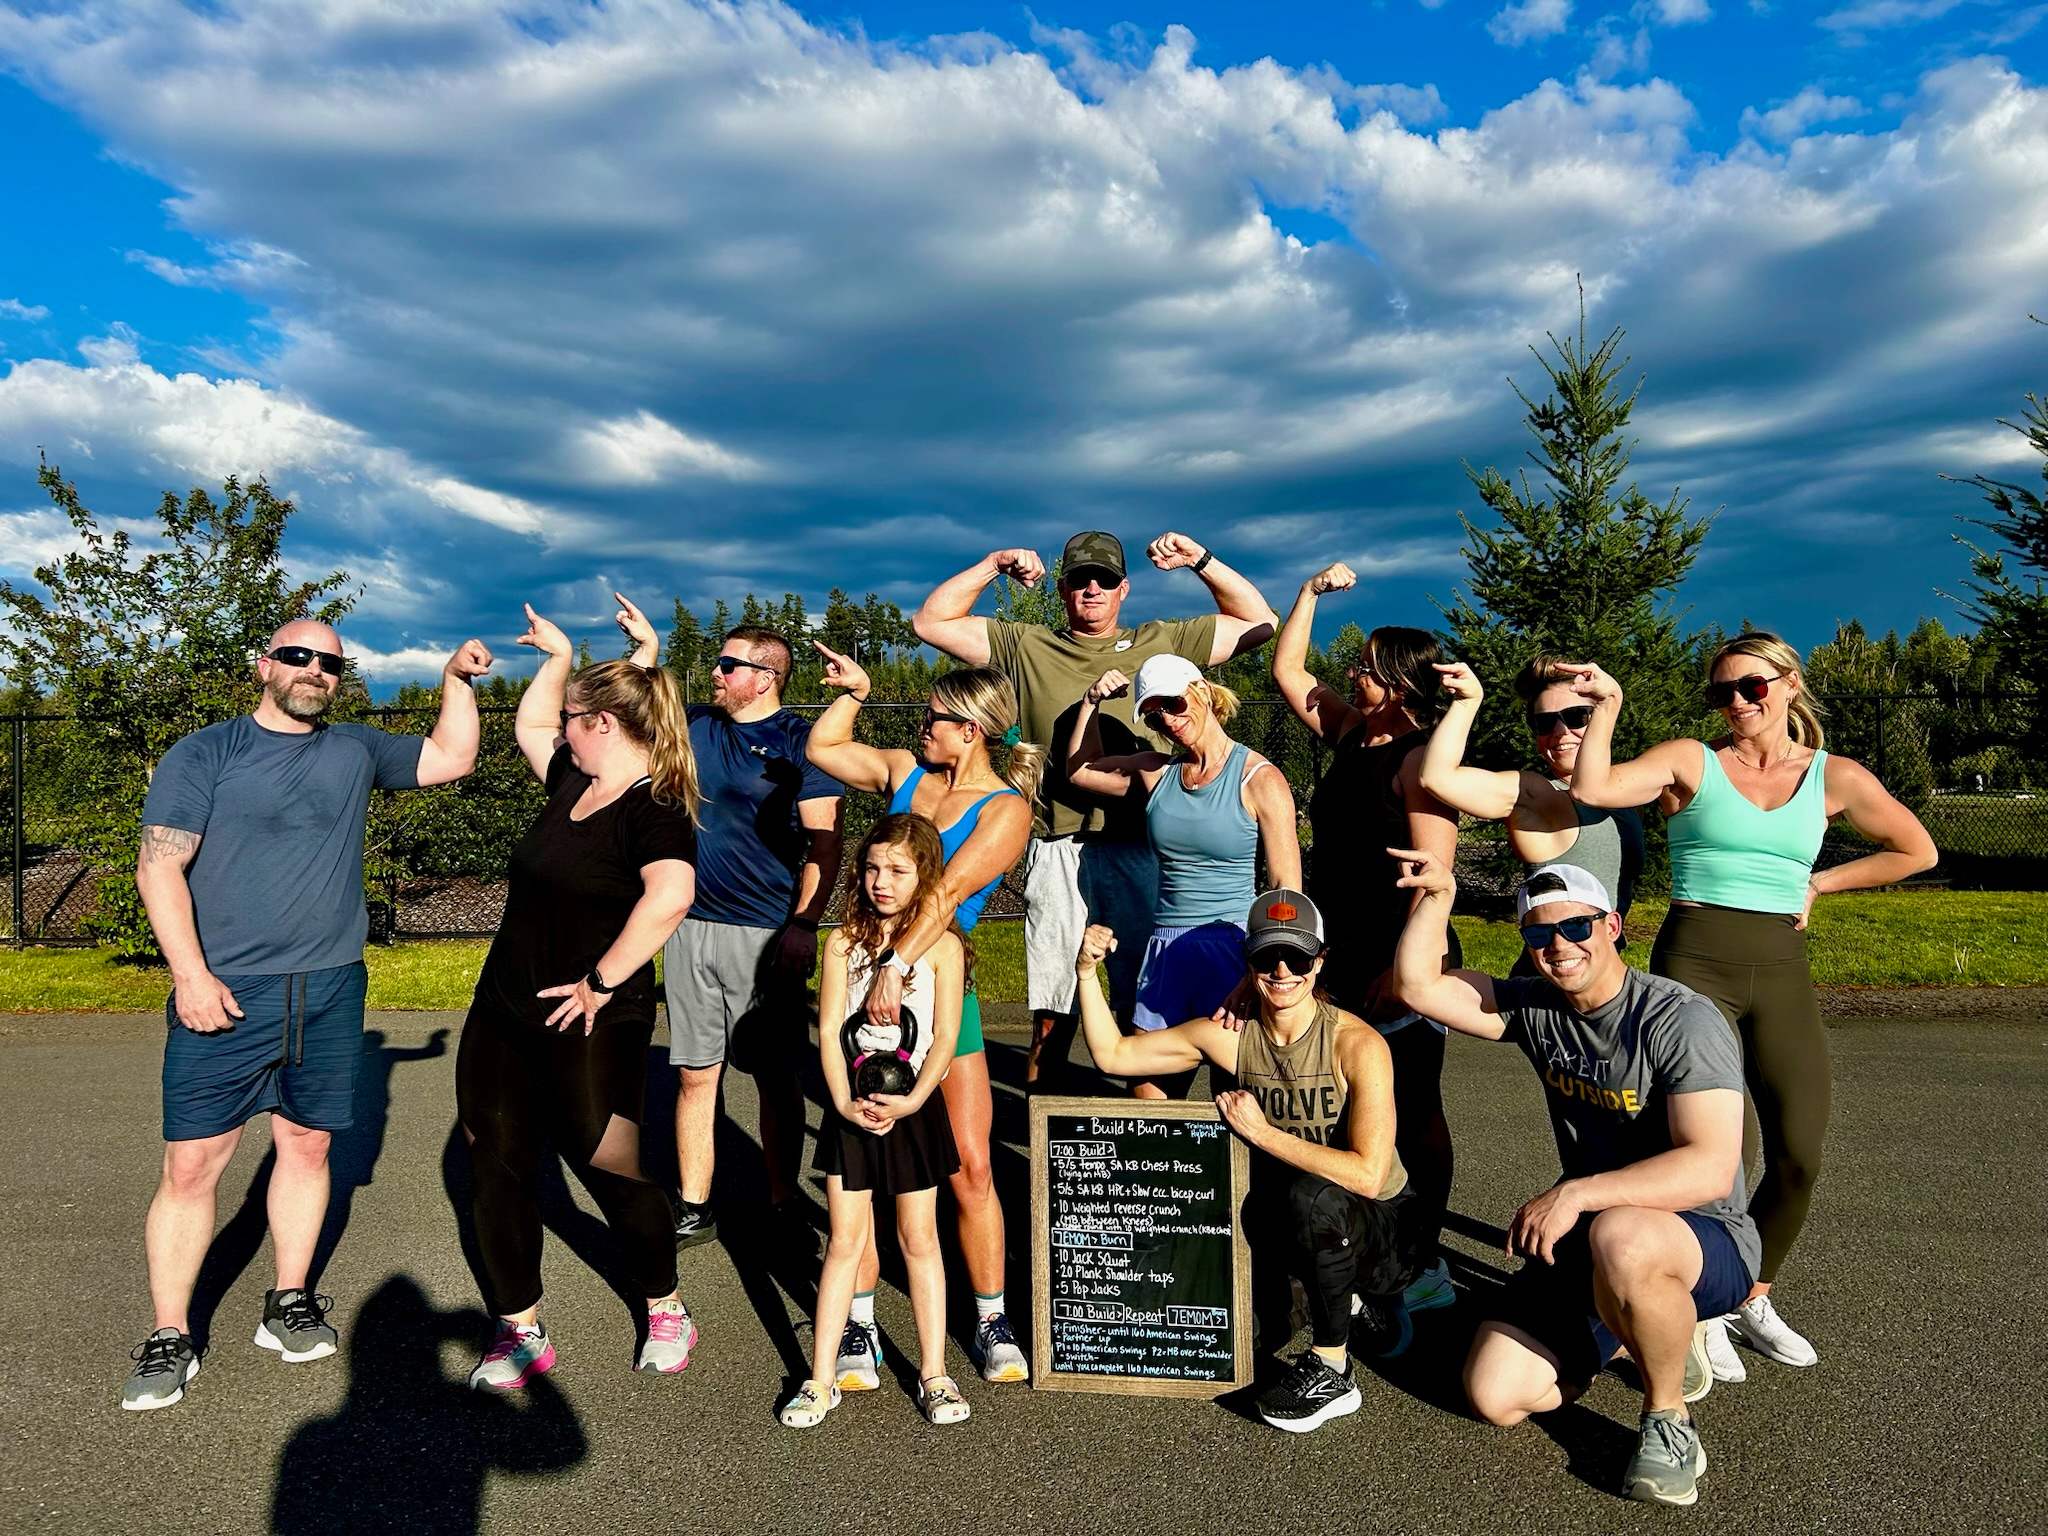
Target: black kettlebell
873	1072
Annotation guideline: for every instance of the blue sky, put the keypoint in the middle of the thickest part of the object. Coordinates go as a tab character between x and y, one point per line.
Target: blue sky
525	301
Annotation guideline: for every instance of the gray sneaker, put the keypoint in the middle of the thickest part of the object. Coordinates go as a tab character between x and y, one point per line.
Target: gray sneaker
165	1362
295	1325
1669	1460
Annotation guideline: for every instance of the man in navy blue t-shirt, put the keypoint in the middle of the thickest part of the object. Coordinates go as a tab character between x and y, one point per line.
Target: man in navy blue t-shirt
251	870
769	842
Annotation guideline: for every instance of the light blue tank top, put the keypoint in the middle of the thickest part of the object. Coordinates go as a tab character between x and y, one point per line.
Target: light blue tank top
968	913
1208	846
1727	853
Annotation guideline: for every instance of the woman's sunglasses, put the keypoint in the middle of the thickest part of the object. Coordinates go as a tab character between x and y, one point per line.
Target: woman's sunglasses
1575	929
577	714
1155	717
1545	721
1267	961
933	717
305	656
1753	688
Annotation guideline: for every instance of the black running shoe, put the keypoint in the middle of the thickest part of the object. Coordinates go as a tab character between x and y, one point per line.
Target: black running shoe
1381	1327
1309	1396
694	1223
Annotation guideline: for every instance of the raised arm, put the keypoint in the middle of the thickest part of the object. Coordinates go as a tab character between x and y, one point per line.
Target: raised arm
1460	1000
1905	848
450	751
947	620
1319	708
202	1000
1598	779
1244	619
1149	1052
667	887
1087	768
1272	806
537	727
831	745
1480	792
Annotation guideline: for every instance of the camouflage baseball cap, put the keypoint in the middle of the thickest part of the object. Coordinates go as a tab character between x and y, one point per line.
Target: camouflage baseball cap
1104	551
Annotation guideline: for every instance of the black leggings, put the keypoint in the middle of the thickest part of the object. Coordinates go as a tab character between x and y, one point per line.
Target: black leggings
1753	966
521	1090
1339	1243
1422	1136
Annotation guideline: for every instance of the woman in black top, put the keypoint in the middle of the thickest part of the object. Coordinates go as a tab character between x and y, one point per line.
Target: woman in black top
1368	800
554	1053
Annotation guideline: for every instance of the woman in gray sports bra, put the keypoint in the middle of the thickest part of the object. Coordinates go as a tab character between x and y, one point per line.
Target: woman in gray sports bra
1545	825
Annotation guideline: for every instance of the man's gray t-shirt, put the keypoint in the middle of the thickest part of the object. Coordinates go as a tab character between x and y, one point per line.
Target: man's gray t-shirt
277	884
1606	1074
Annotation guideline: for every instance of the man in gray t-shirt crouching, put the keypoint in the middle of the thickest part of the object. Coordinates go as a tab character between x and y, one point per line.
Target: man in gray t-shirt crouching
251	870
1648	1232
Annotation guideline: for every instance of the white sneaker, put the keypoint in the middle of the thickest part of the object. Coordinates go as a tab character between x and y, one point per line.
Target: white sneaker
1722	1359
1758	1325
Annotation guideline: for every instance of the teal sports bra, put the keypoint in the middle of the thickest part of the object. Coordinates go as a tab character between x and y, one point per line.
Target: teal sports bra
1725	852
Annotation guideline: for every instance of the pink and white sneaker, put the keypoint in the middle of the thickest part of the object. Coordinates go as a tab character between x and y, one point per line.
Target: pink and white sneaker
516	1355
671	1335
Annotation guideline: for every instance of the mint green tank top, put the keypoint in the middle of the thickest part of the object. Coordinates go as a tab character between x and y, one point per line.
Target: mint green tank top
1727	853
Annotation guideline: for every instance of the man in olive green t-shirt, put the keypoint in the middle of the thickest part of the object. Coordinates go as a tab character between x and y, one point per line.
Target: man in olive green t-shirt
1090	861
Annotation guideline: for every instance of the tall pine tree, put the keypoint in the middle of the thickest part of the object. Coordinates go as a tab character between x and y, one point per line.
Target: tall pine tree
1581	564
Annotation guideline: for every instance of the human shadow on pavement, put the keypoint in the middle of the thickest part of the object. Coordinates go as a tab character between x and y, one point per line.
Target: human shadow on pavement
351	1160
410	1447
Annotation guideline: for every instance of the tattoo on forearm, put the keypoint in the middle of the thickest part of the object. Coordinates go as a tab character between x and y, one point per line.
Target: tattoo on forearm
172	845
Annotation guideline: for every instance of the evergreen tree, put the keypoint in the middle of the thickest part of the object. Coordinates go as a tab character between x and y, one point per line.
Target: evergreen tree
2012	607
688	652
1579	565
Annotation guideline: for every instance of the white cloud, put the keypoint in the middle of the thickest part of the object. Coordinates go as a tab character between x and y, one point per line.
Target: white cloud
1789	119
1680	13
14	309
1881	15
208	429
642	449
717	277
1528	20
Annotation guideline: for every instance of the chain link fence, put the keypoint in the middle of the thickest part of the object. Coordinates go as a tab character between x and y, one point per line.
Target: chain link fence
435	859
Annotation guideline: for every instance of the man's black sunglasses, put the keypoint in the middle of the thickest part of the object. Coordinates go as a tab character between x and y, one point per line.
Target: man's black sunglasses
1267	961
1078	578
305	656
1575	929
731	664
1544	721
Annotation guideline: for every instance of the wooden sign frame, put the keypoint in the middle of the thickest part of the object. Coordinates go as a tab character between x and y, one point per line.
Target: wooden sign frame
1042	1373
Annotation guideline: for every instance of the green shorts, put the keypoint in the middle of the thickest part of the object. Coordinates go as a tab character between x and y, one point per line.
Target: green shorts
970	1025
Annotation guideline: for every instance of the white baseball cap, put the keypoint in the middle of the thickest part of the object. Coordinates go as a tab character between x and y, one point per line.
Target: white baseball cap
1163	677
1552	883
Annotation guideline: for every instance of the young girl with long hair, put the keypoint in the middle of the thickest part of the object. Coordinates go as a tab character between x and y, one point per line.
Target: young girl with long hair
877	1144
983	818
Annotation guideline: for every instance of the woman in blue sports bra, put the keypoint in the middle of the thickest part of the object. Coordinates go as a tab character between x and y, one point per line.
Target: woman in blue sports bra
984	821
1748	812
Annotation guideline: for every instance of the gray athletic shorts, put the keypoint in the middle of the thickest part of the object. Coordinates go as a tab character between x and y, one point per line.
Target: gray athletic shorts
1070	883
718	984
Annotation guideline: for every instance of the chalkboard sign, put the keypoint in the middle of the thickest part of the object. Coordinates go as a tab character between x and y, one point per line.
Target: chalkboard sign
1141	1278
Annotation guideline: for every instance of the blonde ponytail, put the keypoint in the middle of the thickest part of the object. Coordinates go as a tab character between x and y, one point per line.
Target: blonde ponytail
649	708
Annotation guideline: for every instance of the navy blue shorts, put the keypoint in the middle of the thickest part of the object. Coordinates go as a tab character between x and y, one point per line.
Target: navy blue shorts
295	1051
1553	1303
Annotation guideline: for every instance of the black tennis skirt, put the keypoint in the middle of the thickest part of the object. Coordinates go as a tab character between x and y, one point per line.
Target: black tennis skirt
918	1154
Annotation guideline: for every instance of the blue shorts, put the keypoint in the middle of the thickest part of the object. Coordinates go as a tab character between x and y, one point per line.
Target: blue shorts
1553	1303
295	1051
1187	973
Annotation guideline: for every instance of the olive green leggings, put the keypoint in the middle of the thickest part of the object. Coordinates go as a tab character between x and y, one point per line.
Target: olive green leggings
1753	966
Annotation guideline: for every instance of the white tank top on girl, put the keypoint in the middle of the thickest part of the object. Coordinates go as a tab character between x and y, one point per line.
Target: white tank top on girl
920	996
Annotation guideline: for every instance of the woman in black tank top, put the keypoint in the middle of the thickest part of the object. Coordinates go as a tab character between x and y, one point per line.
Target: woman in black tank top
1369	799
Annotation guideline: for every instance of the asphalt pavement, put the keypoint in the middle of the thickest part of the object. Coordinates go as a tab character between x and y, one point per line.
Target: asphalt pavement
1920	1279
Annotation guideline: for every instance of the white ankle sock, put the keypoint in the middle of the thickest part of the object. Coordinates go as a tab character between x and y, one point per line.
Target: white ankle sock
986	1307
863	1309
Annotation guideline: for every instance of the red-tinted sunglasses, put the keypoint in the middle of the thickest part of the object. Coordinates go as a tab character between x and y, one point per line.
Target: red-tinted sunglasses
1753	688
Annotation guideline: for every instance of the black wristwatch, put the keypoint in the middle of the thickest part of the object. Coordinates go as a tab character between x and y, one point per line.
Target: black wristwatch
1202	564
596	983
